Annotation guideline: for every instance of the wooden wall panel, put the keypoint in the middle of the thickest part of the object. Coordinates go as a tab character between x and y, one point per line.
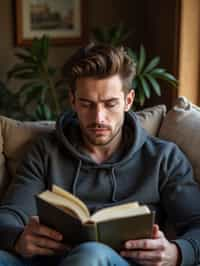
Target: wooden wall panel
189	69
161	37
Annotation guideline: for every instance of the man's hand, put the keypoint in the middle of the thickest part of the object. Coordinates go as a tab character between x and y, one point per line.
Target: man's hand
37	239
157	251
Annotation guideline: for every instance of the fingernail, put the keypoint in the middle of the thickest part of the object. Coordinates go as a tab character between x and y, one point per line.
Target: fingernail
128	245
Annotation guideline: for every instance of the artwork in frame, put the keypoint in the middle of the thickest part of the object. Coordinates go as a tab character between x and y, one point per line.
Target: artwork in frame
63	21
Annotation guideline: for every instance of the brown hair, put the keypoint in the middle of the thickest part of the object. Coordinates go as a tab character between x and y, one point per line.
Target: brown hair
100	61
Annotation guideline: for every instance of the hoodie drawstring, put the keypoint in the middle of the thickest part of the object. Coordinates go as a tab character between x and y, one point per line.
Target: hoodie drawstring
114	183
76	177
113	180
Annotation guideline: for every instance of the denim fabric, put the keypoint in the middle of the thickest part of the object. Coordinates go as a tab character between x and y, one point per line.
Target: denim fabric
86	254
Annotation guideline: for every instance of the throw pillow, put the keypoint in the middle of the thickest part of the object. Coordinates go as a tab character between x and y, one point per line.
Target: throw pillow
151	118
182	126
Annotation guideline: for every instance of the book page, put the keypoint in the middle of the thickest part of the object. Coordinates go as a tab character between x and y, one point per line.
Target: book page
67	195
67	205
120	211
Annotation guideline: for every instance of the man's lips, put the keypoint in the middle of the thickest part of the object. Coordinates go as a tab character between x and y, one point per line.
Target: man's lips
99	130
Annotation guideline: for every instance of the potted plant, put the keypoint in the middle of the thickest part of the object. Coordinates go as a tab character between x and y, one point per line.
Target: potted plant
41	89
148	73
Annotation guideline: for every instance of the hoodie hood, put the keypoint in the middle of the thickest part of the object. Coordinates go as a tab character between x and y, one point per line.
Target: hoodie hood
69	133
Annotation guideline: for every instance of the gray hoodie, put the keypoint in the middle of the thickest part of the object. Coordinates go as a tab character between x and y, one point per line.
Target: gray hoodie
145	169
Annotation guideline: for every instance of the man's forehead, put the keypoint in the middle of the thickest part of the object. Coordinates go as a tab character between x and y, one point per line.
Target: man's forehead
98	95
103	89
92	82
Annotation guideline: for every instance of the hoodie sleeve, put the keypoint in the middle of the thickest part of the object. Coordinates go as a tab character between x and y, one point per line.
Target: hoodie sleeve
19	202
180	197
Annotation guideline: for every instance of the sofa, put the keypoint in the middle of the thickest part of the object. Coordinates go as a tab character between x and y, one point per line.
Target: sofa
181	125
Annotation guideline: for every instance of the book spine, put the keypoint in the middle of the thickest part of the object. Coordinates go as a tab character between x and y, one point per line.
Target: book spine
89	232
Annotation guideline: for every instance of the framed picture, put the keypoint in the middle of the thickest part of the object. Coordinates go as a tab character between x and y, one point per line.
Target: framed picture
63	21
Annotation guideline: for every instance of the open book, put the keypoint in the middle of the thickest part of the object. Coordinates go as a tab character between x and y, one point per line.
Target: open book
67	214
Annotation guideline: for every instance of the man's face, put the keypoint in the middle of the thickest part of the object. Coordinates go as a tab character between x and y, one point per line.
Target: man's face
100	105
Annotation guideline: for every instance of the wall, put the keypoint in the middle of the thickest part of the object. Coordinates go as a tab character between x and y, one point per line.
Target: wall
154	23
160	35
100	13
190	50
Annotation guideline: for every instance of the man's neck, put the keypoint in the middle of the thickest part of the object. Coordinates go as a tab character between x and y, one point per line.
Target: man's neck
101	153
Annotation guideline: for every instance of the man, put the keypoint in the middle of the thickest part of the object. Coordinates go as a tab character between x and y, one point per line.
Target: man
102	155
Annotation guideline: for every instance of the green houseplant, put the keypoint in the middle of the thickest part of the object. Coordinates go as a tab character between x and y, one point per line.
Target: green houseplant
41	88
148	73
43	95
9	104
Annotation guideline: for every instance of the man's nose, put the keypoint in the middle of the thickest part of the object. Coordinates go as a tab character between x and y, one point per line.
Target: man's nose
99	114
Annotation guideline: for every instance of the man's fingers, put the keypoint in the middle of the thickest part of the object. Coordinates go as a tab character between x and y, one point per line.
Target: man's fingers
155	231
41	251
48	243
156	251
140	255
35	218
145	244
36	228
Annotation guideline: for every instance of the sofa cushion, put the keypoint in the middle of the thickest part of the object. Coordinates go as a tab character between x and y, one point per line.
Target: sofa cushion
182	126
15	137
151	118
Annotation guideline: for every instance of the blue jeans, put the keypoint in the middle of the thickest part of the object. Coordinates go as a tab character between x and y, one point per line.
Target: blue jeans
86	254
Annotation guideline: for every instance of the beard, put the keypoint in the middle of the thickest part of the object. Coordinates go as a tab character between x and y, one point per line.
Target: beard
100	139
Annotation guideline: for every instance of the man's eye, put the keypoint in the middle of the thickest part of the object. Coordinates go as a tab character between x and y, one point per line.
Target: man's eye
86	105
111	104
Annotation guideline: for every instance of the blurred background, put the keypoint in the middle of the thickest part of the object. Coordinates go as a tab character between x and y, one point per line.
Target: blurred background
166	29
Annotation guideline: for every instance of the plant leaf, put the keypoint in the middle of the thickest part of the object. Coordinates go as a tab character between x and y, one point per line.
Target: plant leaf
43	112
152	64
145	86
36	49
132	54
141	59
26	58
17	68
27	85
31	86
157	71
155	85
33	94
26	75
167	77
45	47
118	34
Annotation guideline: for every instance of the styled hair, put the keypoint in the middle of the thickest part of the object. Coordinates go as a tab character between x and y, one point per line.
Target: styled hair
99	61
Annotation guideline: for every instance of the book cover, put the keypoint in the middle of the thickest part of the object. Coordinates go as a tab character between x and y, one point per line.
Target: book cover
113	232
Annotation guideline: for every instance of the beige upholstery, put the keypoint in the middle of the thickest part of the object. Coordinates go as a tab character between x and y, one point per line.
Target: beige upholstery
15	137
151	118
182	126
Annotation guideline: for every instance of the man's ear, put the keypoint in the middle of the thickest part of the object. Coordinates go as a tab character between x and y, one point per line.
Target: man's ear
129	100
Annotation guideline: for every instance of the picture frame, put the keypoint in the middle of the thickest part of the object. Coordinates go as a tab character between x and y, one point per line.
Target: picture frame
63	21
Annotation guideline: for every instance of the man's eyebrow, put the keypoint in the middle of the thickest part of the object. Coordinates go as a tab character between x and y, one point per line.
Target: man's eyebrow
113	99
